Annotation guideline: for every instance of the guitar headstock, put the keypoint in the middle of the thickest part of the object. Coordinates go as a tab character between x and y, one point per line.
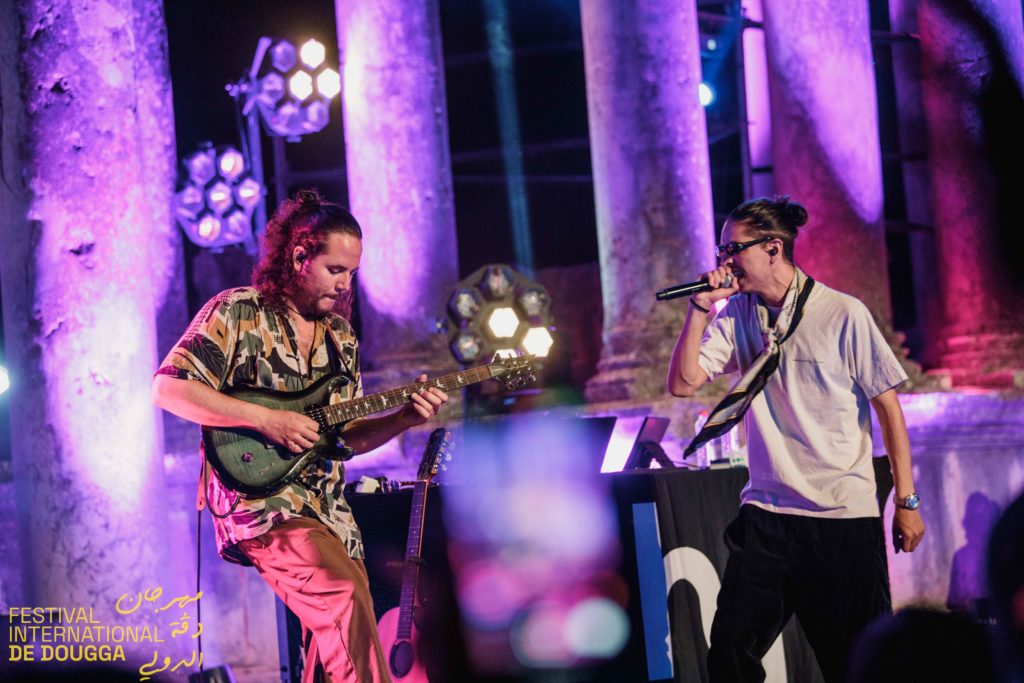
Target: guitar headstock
514	371
435	452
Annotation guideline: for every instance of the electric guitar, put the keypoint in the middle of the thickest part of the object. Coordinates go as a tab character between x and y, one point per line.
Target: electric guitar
248	463
398	635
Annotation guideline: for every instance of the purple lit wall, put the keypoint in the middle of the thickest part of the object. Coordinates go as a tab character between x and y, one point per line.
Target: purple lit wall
972	73
88	162
825	141
399	174
652	184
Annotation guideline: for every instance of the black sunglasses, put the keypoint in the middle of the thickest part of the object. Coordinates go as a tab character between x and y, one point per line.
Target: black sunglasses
733	248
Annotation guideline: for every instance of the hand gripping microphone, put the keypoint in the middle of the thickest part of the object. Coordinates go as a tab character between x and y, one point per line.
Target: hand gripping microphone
690	288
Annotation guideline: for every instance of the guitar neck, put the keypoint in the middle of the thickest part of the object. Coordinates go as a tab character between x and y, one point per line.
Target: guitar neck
384	400
413	548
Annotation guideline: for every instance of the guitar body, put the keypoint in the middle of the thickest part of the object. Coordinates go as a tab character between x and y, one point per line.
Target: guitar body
400	652
246	462
250	465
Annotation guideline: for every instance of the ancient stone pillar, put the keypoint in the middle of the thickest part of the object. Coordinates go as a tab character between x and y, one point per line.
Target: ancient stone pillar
88	155
652	184
825	142
972	73
399	177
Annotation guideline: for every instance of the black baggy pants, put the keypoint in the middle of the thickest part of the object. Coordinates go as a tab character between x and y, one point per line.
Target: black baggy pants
831	573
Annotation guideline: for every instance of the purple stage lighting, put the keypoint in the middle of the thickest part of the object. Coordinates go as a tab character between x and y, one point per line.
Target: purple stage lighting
216	197
291	88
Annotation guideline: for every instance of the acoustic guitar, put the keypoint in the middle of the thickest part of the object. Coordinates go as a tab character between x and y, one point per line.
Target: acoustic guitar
248	463
398	635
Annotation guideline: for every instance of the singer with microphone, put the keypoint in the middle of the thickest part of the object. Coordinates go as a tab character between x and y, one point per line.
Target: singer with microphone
808	539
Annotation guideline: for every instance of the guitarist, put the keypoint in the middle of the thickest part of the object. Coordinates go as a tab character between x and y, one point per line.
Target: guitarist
284	333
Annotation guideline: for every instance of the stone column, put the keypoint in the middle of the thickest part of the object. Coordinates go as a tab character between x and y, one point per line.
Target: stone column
652	184
399	179
87	147
972	72
825	142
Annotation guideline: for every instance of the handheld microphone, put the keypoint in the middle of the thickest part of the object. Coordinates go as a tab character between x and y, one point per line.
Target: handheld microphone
690	288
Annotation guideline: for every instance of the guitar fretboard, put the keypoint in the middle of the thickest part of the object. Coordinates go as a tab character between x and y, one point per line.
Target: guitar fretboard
413	548
374	403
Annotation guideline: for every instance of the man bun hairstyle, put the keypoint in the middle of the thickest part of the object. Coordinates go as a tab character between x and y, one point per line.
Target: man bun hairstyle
777	217
306	221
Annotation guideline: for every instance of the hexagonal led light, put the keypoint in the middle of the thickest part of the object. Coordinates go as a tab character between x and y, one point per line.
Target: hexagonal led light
465	303
534	302
538	341
301	85
189	201
219	198
503	322
248	193
317	116
496	282
230	163
505	353
201	167
271	88
466	347
282	56
312	53
237	226
328	83
208	228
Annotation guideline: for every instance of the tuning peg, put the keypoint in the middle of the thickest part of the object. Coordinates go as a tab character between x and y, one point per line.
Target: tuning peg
531	378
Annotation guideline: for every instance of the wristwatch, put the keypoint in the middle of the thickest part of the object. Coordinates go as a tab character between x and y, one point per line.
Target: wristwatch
911	502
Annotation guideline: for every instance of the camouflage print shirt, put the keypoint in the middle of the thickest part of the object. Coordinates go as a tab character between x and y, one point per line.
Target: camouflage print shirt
239	339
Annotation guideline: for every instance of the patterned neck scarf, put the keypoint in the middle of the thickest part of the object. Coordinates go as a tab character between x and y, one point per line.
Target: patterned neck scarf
730	410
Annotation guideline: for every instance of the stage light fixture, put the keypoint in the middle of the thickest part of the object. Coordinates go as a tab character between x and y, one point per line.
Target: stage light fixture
538	341
497	309
292	89
216	198
312	53
706	94
328	82
503	322
301	85
5	380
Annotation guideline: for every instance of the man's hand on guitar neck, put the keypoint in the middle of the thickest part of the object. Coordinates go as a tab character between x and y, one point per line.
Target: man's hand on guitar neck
365	434
423	406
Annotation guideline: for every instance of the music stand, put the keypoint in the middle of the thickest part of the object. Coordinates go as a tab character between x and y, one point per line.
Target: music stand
647	446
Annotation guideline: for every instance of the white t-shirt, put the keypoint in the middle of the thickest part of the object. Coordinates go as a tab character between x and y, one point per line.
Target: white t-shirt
809	431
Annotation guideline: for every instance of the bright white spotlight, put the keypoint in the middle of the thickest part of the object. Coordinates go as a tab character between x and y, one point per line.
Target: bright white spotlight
5	380
706	94
209	227
248	192
300	85
231	163
503	322
219	198
328	82
538	342
312	53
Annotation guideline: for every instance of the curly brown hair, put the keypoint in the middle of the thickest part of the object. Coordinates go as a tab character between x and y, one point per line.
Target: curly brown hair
304	221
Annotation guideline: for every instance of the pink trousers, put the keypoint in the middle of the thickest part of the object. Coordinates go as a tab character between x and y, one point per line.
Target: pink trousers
309	569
